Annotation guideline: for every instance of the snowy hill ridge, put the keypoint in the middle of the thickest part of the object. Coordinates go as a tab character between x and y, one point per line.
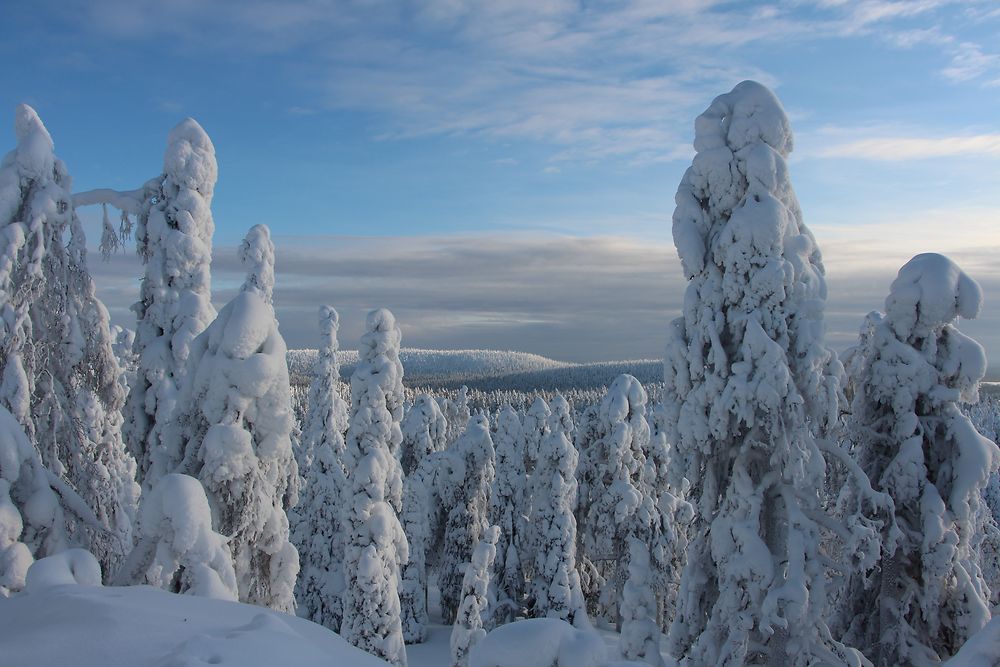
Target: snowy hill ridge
421	364
488	369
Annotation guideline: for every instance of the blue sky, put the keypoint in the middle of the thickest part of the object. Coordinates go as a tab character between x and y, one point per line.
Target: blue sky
532	147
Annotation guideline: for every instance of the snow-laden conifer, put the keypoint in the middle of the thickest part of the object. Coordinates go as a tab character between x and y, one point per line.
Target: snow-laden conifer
534	428
317	521
375	543
181	552
60	379
507	513
750	388
424	430
909	372
464	479
468	627
174	240
616	463
556	588
560	407
456	411
640	635
237	423
32	520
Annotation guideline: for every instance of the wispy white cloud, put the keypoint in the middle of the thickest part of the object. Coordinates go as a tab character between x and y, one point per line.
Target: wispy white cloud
896	148
595	82
970	61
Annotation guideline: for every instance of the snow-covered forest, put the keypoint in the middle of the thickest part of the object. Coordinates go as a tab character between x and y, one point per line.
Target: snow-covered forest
188	491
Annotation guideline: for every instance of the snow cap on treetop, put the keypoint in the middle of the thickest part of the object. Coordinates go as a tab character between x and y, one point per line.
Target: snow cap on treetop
380	320
329	320
35	156
623	398
748	114
190	158
930	291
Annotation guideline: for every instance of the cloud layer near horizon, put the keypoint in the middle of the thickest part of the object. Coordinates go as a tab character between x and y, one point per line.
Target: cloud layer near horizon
568	298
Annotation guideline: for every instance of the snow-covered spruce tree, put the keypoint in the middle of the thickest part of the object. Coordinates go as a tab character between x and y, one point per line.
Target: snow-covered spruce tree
534	428
128	362
424	429
457	413
375	543
556	591
640	636
177	550
588	433
670	517
560	407
60	378
468	627
467	471
750	389
174	240
236	421
33	504
909	372
507	513
616	462
317	520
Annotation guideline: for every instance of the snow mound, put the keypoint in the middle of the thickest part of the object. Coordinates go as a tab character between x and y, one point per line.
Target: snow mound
73	566
539	642
983	648
140	626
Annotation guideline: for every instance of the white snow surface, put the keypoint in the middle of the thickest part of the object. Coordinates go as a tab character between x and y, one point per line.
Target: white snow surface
139	626
539	642
982	649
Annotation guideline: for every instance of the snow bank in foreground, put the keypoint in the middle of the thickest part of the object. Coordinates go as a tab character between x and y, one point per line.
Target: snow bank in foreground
538	642
137	626
983	648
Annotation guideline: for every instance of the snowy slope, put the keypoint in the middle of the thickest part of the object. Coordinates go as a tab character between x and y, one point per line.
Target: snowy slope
489	369
138	626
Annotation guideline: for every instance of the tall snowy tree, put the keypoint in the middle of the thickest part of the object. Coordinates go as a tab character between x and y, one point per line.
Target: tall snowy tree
750	390
375	543
556	591
507	513
534	428
424	429
467	473
640	635
616	495
468	628
60	378
236	421
317	521
909	372
174	240
456	411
